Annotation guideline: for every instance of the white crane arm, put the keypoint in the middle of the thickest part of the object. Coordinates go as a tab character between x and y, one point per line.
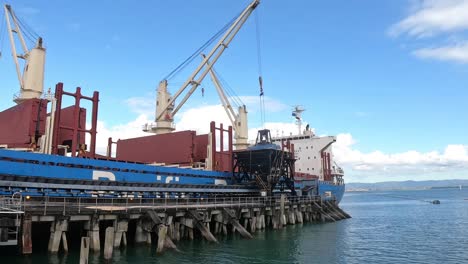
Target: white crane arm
214	55
9	13
222	96
31	80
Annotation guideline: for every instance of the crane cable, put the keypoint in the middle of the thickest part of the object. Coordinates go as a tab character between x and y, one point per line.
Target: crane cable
235	99
259	61
200	49
2	32
27	31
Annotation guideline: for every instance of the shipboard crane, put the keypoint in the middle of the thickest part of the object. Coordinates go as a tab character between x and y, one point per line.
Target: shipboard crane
239	119
166	108
32	78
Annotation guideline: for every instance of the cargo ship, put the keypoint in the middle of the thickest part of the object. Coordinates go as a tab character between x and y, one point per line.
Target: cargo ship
44	151
315	171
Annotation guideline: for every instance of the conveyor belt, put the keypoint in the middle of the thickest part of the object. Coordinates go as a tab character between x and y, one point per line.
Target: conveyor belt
12	181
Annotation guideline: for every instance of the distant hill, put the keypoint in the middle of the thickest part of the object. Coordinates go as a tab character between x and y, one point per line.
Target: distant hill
404	185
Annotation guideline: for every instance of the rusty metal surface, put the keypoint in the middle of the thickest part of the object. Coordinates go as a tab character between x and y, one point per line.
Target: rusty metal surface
66	120
171	148
21	122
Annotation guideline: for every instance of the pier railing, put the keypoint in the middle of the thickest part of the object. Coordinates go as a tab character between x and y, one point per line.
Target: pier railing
9	205
86	205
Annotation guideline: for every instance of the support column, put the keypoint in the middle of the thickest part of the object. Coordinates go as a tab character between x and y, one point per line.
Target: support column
231	217
259	220
162	232
109	243
299	216
121	229
92	226
58	231
141	234
177	231
26	238
84	250
282	219
203	229
291	216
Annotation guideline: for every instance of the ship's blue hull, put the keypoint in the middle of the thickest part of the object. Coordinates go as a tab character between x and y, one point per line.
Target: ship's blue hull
329	190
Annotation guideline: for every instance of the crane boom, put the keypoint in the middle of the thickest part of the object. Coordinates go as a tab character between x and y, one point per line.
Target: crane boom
31	80
239	120
165	107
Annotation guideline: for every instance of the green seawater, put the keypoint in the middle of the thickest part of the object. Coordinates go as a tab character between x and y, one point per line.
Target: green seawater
384	229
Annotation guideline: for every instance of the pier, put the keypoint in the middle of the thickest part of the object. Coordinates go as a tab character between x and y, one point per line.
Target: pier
161	222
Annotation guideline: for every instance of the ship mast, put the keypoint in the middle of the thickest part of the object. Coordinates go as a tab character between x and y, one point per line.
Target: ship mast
31	80
297	113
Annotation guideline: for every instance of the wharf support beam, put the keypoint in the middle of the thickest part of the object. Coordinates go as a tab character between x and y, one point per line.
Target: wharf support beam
92	228
121	228
205	231
58	234
232	219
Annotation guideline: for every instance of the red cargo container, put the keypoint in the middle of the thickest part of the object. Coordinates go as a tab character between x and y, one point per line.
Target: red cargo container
183	148
22	123
66	120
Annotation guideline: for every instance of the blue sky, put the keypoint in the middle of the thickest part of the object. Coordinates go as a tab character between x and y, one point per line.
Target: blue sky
384	75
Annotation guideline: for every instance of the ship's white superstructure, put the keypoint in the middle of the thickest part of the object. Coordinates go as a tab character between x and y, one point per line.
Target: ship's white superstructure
314	154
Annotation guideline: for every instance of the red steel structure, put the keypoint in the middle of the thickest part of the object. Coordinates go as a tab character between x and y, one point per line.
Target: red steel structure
75	125
221	160
22	125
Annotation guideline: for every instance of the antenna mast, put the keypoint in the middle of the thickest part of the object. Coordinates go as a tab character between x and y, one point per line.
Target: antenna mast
297	113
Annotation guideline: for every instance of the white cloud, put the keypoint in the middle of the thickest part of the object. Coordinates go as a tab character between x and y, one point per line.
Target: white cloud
430	17
199	119
120	131
377	165
359	166
457	53
142	105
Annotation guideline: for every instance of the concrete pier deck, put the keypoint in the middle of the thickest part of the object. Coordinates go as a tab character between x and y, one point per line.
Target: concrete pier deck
160	221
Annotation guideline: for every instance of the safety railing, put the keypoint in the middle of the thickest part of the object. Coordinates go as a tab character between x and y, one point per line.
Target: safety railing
9	205
90	205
